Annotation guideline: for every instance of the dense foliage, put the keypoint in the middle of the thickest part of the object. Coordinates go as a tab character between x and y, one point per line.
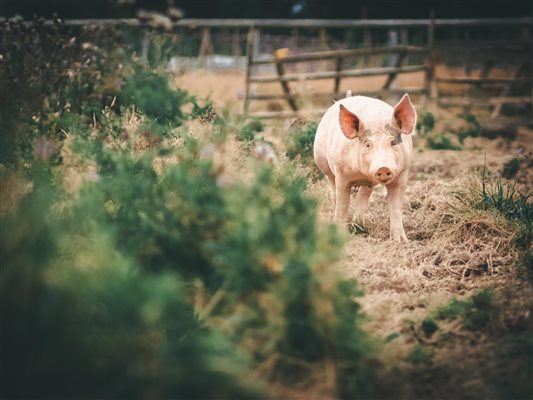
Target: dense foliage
156	277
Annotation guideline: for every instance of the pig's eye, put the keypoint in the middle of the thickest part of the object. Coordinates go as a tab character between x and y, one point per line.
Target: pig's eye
393	142
368	144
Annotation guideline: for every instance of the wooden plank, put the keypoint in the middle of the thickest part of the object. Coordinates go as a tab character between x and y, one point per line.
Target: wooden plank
285	87
498	48
429	83
323	39
343	74
285	114
338	68
249	66
205	47
324	55
236	45
340	95
510	100
507	90
462	101
194	23
479	80
393	74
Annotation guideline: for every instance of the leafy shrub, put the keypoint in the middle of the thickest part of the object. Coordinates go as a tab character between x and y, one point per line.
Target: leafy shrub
441	142
429	326
477	312
150	93
420	355
150	282
116	274
299	148
426	123
472	129
97	325
300	143
249	129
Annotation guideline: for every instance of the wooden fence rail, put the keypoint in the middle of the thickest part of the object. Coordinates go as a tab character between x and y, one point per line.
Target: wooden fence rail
303	23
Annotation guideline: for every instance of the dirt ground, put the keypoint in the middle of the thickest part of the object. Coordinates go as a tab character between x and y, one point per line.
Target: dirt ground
448	256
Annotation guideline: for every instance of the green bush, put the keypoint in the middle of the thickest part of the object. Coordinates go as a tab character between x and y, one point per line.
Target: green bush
420	355
441	141
472	129
429	326
149	282
426	123
247	131
476	313
110	279
300	143
150	93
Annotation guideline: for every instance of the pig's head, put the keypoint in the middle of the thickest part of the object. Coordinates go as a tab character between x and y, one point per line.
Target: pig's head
381	155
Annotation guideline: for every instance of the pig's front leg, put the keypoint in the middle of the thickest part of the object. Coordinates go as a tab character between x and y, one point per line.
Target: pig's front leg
361	204
395	195
342	200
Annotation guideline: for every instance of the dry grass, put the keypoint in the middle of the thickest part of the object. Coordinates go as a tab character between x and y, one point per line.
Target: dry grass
453	252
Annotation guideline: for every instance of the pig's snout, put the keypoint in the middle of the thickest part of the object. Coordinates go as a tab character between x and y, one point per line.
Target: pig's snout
383	175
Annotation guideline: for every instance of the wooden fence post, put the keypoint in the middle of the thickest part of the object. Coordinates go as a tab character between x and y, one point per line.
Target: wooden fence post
206	46
323	39
392	75
249	66
236	46
294	39
430	84
338	78
285	86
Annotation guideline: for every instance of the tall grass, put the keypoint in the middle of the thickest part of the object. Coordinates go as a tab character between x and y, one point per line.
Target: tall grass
503	199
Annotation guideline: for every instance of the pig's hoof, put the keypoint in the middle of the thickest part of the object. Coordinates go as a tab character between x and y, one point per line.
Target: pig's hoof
399	237
357	229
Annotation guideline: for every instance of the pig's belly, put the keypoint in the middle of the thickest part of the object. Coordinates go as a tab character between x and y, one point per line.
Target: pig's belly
360	180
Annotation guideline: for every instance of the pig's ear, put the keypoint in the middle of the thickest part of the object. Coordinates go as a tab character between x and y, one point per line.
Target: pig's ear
404	115
350	123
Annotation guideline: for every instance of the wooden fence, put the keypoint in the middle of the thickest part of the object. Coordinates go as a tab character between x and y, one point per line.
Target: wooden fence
493	92
475	86
514	89
339	56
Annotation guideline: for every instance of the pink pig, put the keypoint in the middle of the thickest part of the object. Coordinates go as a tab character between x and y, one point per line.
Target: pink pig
363	142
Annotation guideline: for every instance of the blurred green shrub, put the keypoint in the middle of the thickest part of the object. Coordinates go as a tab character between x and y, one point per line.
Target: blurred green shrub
299	148
472	128
151	94
441	141
80	319
151	282
148	283
476	313
247	131
426	123
300	142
